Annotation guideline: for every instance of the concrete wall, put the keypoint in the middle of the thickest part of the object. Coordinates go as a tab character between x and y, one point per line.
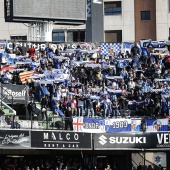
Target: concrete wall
145	29
7	29
124	22
128	21
162	19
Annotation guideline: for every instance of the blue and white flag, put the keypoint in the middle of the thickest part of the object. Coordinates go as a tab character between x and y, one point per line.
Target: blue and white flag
108	49
118	125
135	125
156	125
158	44
127	46
145	43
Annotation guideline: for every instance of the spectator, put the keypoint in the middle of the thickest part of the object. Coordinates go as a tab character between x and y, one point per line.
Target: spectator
31	51
32	108
68	119
44	105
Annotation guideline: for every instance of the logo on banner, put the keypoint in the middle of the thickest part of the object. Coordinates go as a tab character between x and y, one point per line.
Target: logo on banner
122	140
158	159
8	92
133	125
78	124
157	125
14	139
102	140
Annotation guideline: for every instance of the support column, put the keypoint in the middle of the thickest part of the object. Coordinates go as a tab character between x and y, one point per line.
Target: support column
47	31
95	21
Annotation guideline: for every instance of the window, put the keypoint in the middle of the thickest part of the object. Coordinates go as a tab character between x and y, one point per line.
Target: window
113	36
145	15
79	36
113	8
59	36
18	38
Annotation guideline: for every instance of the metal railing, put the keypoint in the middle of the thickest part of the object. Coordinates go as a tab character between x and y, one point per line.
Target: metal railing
4	98
146	160
53	122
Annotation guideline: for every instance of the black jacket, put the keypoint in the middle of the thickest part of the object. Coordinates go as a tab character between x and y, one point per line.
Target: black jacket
31	107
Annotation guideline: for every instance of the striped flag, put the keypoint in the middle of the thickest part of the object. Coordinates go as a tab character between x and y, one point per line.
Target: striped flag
8	67
25	75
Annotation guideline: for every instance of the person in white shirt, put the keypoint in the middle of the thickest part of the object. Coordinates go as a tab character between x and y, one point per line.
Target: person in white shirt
131	84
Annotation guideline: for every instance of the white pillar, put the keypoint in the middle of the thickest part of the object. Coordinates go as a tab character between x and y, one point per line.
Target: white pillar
65	35
47	31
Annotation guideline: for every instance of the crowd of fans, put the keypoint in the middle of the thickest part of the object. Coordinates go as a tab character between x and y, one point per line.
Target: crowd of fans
134	83
57	164
60	163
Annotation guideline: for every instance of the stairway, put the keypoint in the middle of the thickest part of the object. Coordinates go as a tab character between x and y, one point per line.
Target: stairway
38	106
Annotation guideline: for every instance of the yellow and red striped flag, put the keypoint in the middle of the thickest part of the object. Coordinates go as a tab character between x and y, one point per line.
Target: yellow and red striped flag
25	75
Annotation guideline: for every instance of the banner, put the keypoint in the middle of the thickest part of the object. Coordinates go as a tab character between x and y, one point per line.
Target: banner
14	139
118	125
109	49
61	140
81	124
42	45
100	125
110	141
18	92
155	125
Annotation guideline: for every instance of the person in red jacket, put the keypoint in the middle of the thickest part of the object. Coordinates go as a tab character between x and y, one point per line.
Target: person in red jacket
31	51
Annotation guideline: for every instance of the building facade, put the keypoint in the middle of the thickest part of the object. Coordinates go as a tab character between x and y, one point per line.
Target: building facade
107	21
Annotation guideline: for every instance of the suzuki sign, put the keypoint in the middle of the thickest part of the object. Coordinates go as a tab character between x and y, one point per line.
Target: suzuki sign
131	140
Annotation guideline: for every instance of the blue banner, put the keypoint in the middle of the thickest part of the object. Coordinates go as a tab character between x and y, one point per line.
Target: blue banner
101	125
156	125
118	125
127	46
